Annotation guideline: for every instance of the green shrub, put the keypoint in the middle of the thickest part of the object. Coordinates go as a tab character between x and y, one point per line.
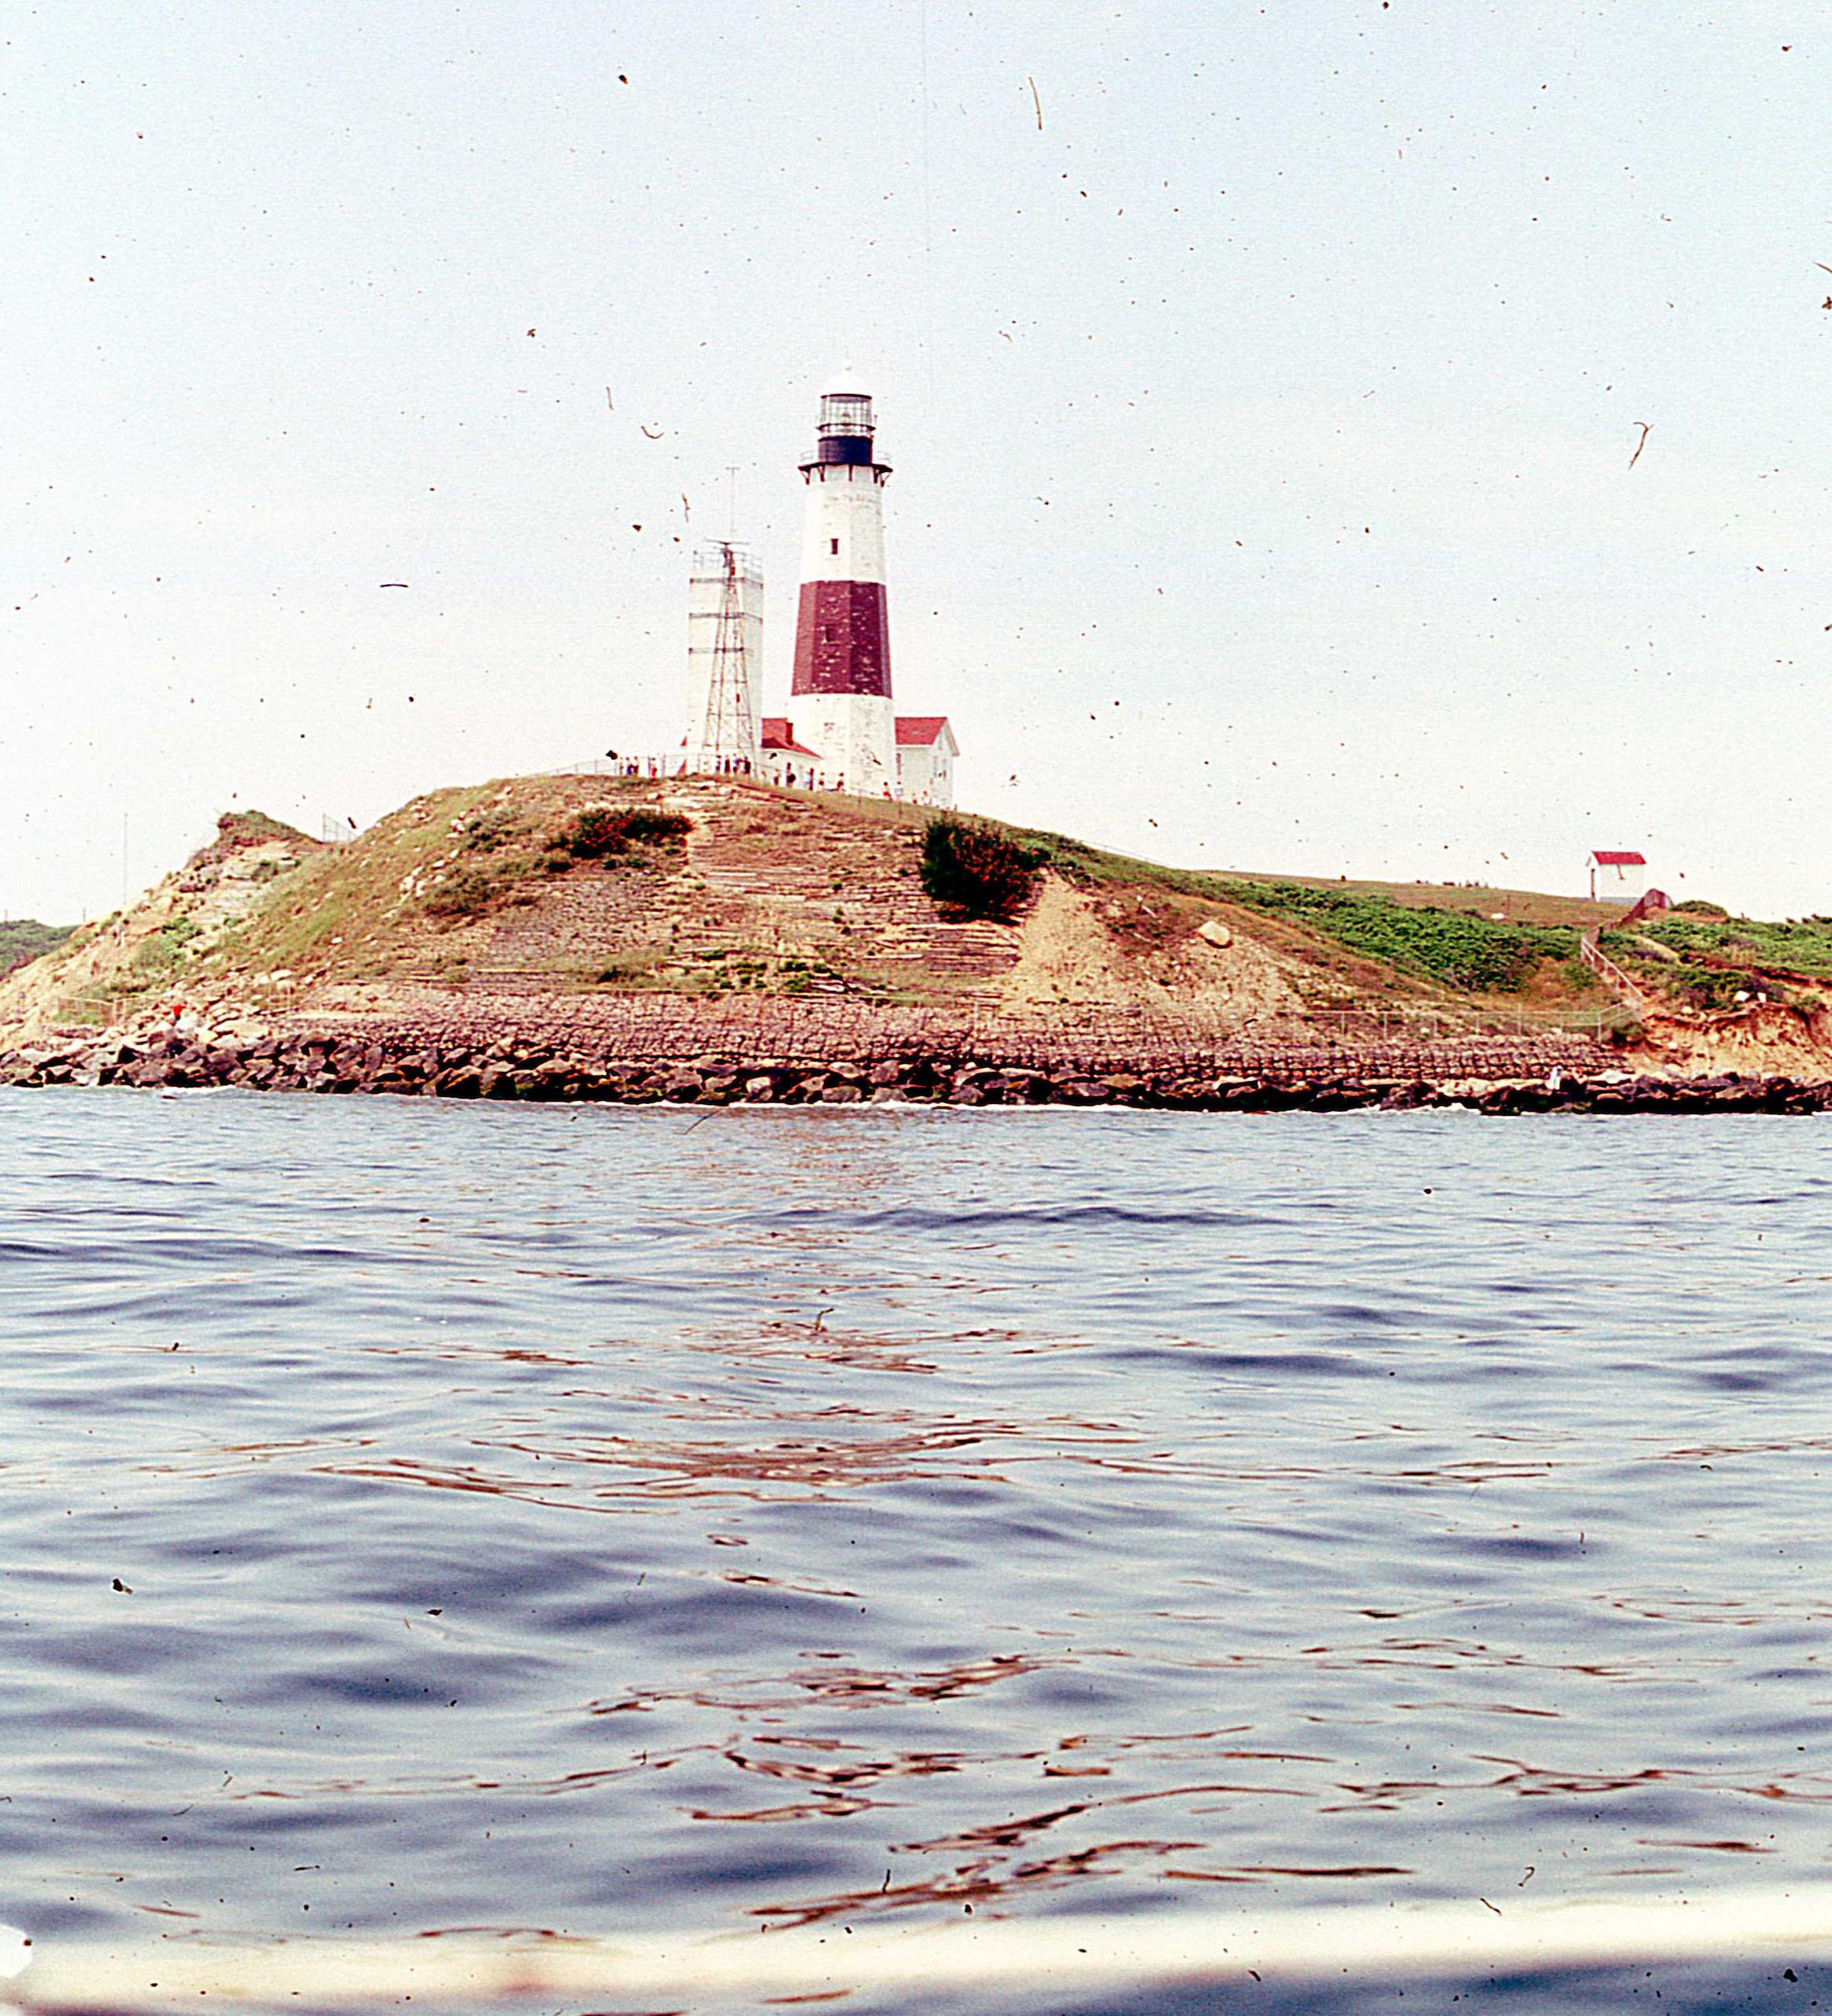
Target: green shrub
595	832
463	892
601	830
163	951
1577	977
1704	986
974	869
655	828
485	832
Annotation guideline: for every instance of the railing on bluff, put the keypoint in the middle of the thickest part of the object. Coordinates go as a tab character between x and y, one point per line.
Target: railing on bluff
1610	974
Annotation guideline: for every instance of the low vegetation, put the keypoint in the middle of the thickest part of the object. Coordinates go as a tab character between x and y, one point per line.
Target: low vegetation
237	830
451	859
24	940
1455	948
1799	946
1076	861
162	952
463	891
1688	985
418	897
975	869
499	847
602	830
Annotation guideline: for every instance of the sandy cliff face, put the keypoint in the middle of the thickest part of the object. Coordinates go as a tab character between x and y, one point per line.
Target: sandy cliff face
1081	948
1790	1039
155	953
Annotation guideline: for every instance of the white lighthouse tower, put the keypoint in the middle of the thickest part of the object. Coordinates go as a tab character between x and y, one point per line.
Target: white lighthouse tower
841	690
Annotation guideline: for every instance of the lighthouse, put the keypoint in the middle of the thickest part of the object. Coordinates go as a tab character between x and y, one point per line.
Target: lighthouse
842	734
841	689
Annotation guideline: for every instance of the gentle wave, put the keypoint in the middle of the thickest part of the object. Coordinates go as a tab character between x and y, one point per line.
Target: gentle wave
419	1515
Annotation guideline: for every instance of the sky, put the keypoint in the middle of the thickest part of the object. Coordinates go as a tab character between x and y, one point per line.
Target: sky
1263	386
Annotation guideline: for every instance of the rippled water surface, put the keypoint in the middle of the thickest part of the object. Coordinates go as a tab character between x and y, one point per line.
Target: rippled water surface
416	1515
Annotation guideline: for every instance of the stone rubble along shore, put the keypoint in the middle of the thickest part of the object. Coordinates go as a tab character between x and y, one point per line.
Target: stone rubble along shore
1331	1080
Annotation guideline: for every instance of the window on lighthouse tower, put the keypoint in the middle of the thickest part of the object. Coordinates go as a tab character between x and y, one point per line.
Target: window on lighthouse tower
833	545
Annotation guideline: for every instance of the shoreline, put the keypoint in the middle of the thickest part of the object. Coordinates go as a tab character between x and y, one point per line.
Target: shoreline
1573	1076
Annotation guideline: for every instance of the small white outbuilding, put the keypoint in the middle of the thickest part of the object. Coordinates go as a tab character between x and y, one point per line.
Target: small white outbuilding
1617	875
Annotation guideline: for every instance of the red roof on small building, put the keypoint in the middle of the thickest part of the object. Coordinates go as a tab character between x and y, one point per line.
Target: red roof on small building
1613	857
777	733
916	730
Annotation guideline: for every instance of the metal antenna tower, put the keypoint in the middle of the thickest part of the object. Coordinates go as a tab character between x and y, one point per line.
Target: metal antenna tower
724	641
729	717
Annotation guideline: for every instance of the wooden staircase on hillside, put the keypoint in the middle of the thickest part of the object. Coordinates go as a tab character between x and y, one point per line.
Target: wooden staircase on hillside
854	880
760	876
1610	974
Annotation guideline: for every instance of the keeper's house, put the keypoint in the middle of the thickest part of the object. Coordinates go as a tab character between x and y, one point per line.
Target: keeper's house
925	748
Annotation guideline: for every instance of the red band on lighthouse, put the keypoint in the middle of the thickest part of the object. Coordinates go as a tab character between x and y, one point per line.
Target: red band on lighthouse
842	639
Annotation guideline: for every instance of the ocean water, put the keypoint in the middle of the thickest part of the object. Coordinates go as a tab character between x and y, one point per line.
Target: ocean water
416	1516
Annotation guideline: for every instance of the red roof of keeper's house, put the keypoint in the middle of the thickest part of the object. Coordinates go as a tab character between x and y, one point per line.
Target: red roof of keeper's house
916	730
778	732
1614	858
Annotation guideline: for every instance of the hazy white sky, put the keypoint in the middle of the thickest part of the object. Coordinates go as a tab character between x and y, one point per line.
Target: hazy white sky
1262	423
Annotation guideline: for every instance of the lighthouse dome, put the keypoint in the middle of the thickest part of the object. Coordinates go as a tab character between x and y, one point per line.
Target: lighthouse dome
846	421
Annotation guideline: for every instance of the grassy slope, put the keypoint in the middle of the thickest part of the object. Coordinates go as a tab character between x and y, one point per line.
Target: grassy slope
1512	906
1455	942
1455	948
1798	947
1701	961
415	894
417	891
353	907
113	965
1371	938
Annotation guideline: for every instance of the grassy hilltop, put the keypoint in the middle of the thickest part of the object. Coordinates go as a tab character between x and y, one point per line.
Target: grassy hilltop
560	887
24	940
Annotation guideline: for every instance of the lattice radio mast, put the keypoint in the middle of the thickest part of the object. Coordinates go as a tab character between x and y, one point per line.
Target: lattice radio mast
724	655
731	724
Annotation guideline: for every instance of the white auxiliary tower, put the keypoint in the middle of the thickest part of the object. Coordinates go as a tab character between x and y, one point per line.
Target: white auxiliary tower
724	660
